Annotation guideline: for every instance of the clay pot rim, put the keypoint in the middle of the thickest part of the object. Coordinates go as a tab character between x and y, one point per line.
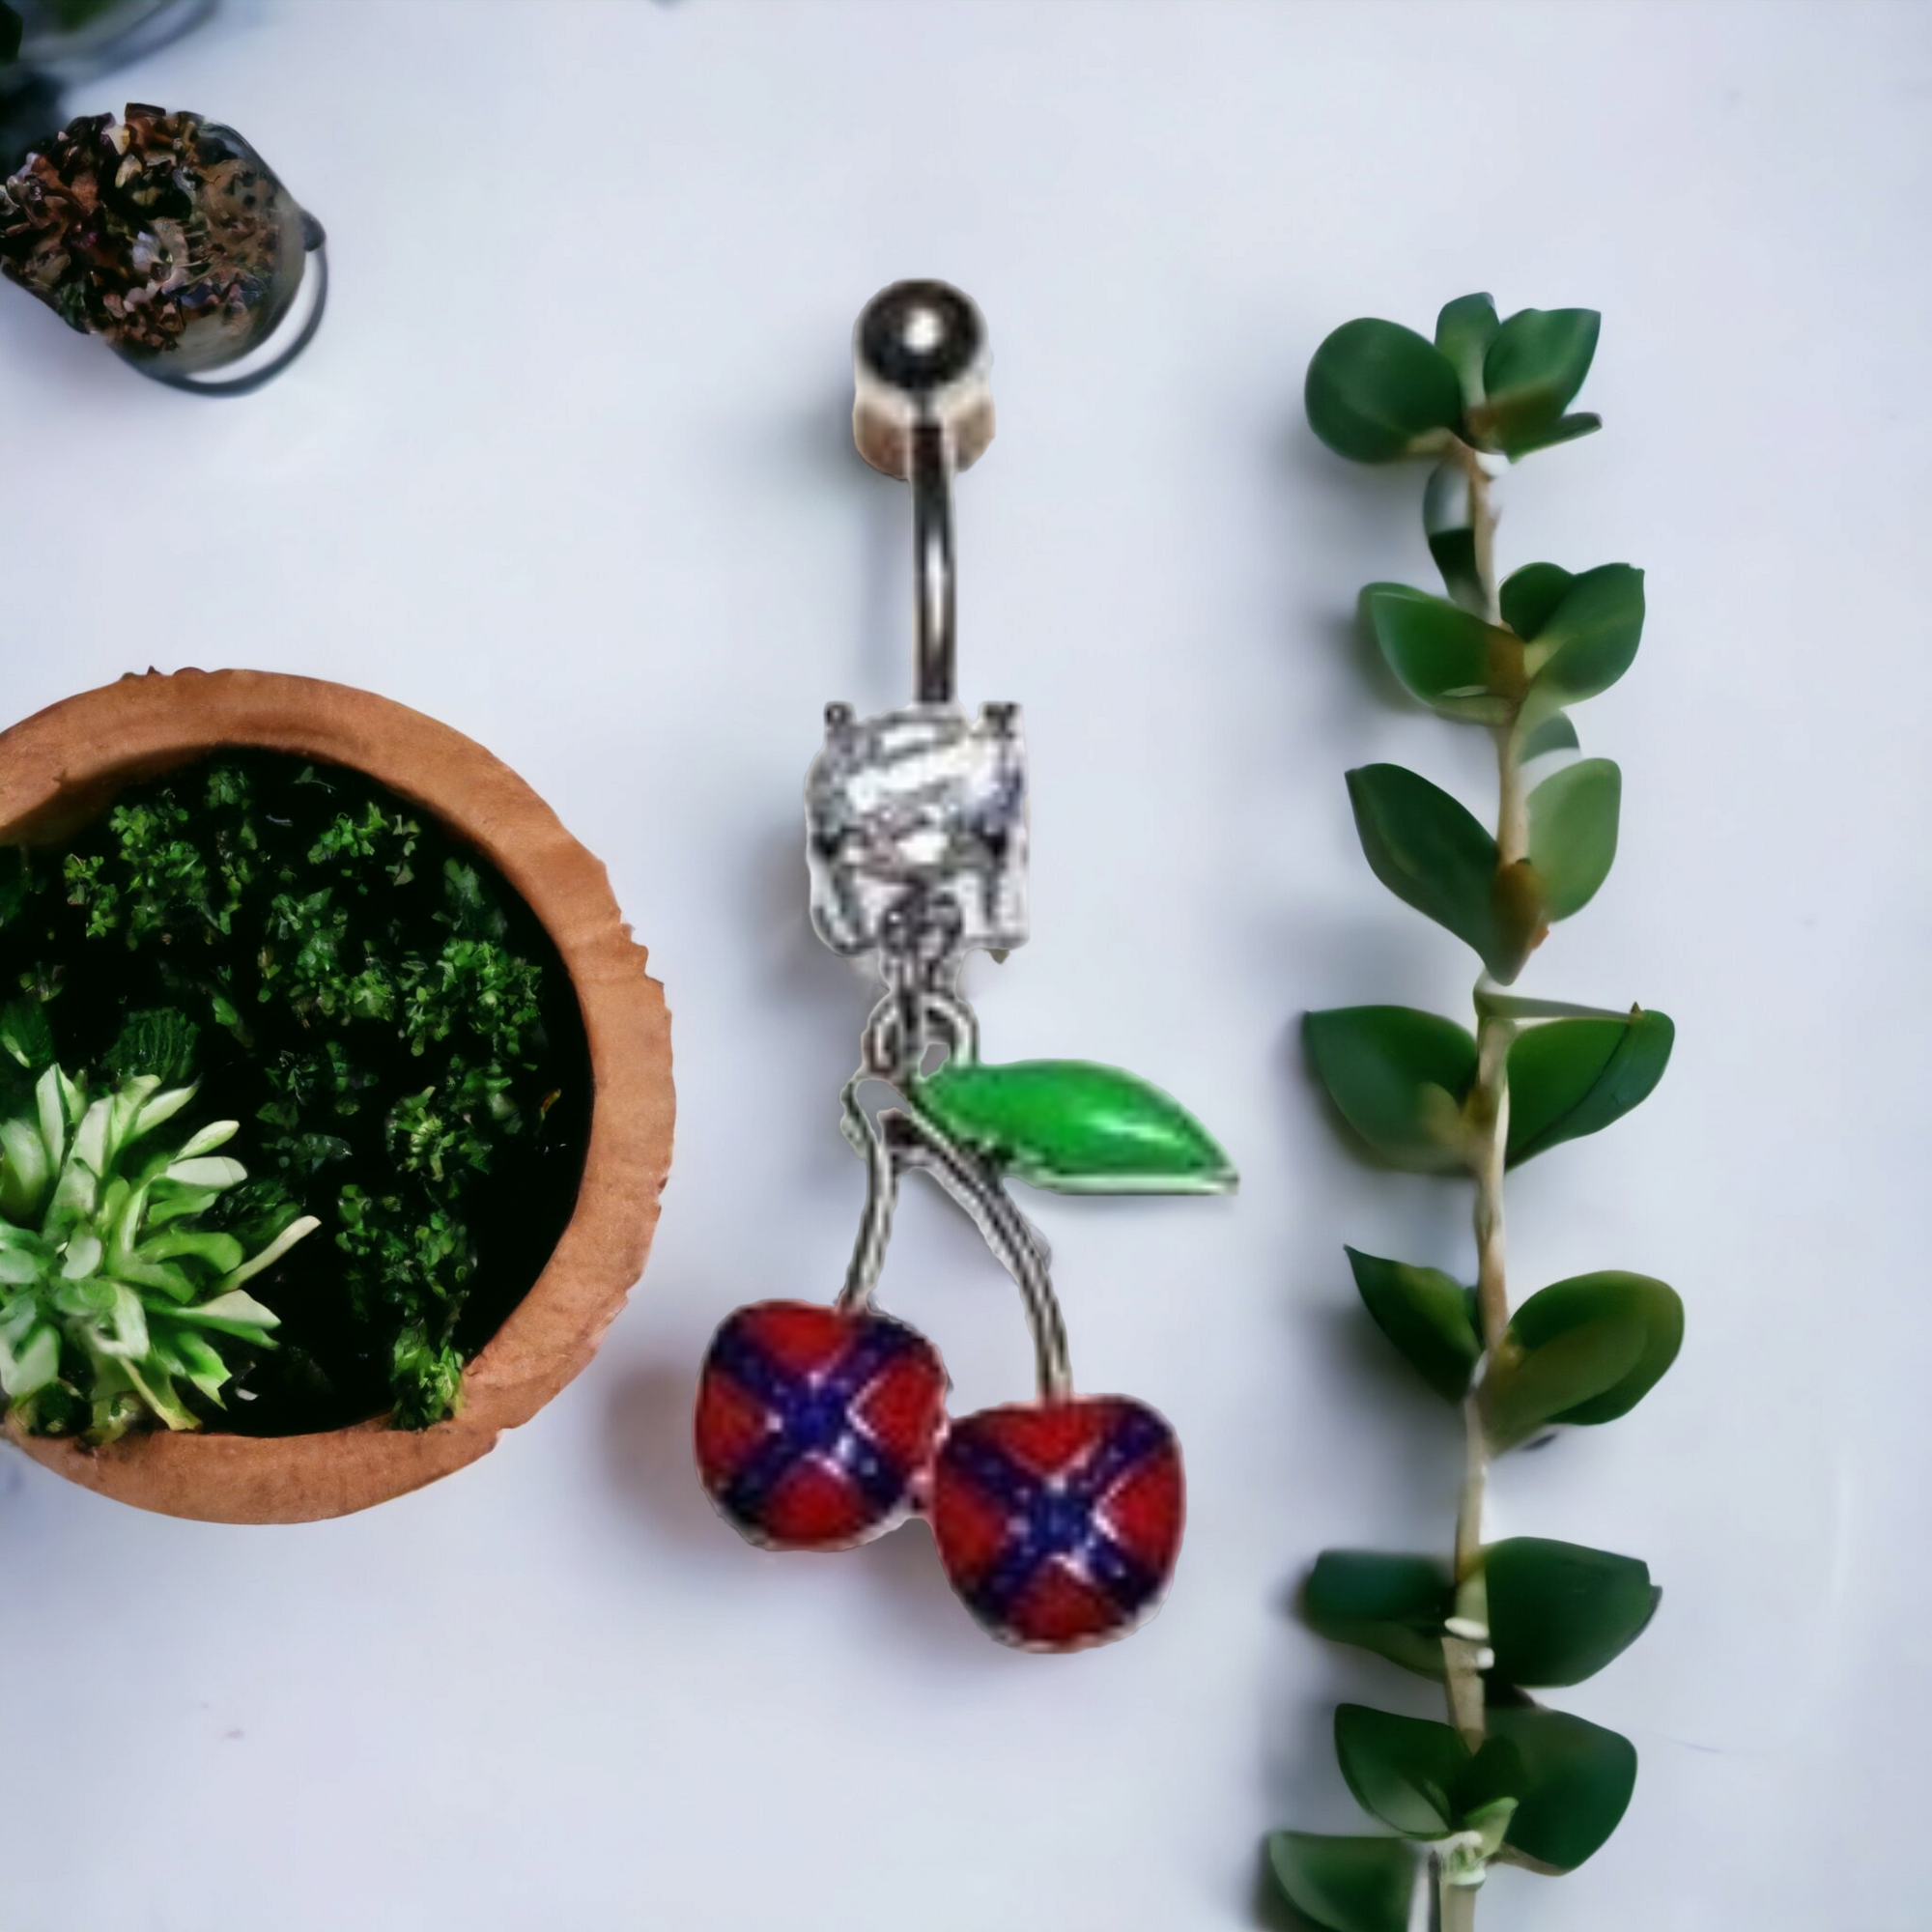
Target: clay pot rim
59	767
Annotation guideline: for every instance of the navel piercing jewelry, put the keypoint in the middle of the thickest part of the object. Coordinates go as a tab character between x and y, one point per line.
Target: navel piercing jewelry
1058	1520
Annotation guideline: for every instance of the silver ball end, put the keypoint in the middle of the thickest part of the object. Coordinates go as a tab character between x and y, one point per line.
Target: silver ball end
919	355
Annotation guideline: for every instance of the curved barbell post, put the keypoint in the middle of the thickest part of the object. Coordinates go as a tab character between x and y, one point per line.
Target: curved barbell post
921	411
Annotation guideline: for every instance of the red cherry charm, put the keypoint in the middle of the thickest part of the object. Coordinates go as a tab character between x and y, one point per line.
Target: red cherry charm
1059	1523
814	1427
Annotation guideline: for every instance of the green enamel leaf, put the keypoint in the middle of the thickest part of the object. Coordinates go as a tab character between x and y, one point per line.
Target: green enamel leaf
1583	1350
1575	1783
1394	1605
1559	1612
1426	1316
1075	1127
1346	1885
1398	1077
1445	655
1573	833
1573	1077
1589	639
1449	521
1377	390
1464	332
1404	1771
1532	369
1429	850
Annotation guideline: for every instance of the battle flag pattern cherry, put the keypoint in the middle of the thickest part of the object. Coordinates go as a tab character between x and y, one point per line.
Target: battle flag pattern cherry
1059	1523
1059	1520
817	1428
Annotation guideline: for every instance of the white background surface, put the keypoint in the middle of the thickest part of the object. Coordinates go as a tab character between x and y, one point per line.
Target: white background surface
568	466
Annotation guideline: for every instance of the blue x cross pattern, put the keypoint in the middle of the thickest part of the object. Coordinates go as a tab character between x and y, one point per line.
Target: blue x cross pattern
1058	1518
813	1414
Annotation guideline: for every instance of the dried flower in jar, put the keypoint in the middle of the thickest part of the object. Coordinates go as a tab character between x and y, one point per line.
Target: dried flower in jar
163	233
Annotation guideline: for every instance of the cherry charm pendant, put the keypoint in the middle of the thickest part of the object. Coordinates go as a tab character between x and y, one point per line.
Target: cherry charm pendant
1058	1520
815	1428
1059	1523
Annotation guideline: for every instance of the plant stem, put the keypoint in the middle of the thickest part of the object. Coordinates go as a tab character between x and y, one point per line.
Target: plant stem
1482	525
1489	1111
1512	801
1489	1107
1488	1116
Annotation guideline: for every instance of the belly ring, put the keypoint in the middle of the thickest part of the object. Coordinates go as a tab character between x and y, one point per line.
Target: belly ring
1058	1519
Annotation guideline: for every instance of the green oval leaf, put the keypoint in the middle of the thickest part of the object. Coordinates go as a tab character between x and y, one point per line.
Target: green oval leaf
1573	833
1429	850
1532	368
1576	1787
1348	1885
1540	1383
1494	1777
1581	1352
1404	1771
1398	1077
1555	734
26	1036
1447	657
1394	1605
1532	595
1565	429
1568	1078
1559	1612
1377	390
1075	1127
1588	641
1464	332
1425	1314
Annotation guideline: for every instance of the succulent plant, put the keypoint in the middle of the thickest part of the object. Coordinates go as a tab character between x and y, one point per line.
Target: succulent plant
111	1297
1508	1780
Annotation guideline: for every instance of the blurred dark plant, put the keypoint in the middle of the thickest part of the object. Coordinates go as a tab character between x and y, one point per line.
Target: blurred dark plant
48	46
1507	1779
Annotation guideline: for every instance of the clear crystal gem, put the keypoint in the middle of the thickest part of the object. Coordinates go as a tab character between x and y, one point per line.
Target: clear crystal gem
920	816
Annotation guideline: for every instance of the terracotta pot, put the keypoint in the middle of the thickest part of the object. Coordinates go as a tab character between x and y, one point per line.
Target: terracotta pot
60	767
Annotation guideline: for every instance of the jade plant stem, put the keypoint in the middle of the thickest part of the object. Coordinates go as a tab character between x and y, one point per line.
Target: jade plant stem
1464	1649
1509	1779
1465	1644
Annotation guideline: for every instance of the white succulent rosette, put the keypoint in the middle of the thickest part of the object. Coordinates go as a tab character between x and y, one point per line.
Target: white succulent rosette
108	1289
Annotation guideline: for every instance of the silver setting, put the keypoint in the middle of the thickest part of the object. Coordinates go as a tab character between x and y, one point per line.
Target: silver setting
917	819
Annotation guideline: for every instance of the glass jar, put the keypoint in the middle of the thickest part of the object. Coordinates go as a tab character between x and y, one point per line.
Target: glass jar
170	239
